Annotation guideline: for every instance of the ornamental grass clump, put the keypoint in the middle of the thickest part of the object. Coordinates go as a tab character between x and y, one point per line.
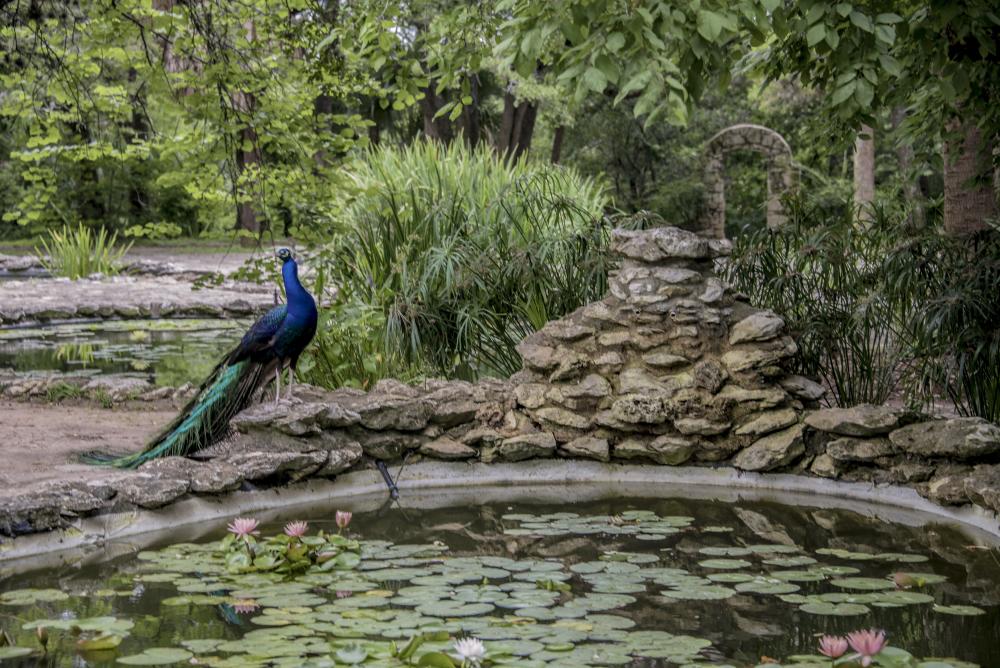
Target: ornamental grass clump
456	255
80	252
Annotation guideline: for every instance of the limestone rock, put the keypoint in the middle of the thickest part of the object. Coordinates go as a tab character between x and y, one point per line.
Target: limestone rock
764	423
538	357
664	359
862	420
660	243
520	447
825	466
481	435
666	450
147	490
30	513
859	449
733	395
958	438
283	418
700	426
255	465
569	365
587	447
452	413
447	448
710	375
340	459
531	395
210	477
381	412
388	445
803	388
762	326
747	358
592	386
639	409
562	418
566	330
772	451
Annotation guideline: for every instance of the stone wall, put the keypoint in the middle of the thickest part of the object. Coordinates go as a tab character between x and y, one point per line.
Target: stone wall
670	368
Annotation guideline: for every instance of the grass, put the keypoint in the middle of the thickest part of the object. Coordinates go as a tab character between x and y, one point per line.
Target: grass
80	252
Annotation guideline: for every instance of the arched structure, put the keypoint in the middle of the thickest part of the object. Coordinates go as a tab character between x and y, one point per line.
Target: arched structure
779	172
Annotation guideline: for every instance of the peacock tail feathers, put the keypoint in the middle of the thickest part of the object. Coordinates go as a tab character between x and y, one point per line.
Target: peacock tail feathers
205	419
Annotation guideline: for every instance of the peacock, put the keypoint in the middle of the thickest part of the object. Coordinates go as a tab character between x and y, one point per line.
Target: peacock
272	344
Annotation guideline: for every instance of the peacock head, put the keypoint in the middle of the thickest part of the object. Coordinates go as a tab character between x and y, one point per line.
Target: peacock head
284	254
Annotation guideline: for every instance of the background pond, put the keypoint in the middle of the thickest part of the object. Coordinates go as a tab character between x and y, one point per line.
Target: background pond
675	581
168	352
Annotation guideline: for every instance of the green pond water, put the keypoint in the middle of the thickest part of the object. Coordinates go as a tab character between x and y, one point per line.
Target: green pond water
167	352
629	582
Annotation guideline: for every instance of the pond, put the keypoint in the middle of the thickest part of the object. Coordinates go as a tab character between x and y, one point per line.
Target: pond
167	352
640	582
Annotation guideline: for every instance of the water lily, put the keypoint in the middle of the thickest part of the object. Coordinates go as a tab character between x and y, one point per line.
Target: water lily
344	518
470	650
833	646
244	527
296	529
245	606
867	644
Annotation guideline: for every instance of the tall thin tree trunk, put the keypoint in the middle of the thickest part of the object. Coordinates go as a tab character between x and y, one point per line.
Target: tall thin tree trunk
969	196
864	172
517	127
557	142
435	128
904	158
248	156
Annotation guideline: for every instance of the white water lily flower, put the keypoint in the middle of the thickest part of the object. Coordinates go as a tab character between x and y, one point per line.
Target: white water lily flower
471	650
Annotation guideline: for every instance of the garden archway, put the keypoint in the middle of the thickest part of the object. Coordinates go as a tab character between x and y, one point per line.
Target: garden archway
780	178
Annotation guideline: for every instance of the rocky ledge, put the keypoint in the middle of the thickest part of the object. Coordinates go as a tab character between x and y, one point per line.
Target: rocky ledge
671	368
55	299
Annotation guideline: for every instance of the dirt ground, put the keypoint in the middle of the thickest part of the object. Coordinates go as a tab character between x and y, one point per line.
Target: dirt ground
40	442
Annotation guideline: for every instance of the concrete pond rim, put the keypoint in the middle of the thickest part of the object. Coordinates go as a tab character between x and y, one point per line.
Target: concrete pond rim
427	485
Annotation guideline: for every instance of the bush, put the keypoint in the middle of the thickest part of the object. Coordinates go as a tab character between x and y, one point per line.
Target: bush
883	306
77	253
446	258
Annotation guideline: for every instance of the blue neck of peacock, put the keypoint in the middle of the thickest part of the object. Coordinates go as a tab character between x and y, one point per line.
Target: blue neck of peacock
300	302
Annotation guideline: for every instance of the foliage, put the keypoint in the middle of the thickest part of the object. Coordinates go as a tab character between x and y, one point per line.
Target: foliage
823	274
881	306
450	257
283	553
77	253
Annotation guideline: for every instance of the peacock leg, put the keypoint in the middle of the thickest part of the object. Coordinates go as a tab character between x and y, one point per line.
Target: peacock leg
277	387
291	382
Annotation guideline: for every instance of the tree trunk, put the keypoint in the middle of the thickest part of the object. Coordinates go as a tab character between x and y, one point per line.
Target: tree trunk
248	156
969	196
864	172
557	142
517	127
904	158
438	129
469	120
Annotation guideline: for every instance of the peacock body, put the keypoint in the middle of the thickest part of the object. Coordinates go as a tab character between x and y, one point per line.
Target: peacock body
272	344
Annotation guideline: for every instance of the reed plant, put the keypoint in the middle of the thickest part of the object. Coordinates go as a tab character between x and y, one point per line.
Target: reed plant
80	252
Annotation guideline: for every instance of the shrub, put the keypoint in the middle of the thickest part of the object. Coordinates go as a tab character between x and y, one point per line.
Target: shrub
446	258
80	252
881	306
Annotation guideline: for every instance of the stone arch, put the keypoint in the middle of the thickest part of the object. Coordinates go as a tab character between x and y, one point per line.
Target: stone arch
780	177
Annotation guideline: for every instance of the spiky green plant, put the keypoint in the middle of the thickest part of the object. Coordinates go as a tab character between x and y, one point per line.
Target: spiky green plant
79	252
456	255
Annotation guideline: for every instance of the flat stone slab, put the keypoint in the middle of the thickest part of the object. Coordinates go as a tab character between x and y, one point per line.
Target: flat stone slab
862	420
44	300
959	438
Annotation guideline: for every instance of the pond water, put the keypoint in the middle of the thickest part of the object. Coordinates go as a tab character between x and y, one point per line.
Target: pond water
167	352
634	582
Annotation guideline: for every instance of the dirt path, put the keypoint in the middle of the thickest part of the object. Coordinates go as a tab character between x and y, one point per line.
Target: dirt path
40	442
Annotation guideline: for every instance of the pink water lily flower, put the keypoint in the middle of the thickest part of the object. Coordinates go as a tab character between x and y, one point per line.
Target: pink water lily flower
833	646
867	644
296	529
246	606
344	518
244	526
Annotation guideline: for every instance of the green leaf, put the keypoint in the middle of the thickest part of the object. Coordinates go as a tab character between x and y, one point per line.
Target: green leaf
595	80
436	660
842	94
888	18
864	93
862	21
885	33
816	34
615	42
710	24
